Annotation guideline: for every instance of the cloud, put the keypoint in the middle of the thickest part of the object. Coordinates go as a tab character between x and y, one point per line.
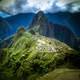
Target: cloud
65	2
20	6
41	5
23	6
4	14
68	5
5	5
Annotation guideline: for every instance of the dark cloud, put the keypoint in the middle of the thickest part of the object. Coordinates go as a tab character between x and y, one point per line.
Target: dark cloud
24	6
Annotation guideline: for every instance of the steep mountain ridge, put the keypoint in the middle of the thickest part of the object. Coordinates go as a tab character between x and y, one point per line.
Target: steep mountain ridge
41	25
70	20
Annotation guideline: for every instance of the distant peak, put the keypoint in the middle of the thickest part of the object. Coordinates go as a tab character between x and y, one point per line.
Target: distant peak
40	13
40	19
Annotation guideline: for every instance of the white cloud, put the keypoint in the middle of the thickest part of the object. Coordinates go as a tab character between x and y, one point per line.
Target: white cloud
23	6
41	4
15	6
69	5
4	14
6	3
65	2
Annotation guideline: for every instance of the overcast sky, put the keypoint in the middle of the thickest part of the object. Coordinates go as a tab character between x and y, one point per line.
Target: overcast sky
24	6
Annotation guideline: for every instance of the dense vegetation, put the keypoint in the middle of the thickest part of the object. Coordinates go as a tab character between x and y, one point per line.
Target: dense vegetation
24	61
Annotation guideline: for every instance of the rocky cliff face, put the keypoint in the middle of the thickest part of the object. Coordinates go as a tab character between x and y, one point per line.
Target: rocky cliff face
41	25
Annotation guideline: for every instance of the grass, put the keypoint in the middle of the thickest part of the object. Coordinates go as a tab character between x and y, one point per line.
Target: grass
22	61
62	74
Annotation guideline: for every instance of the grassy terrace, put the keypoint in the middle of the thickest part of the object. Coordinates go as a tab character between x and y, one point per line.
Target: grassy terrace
23	60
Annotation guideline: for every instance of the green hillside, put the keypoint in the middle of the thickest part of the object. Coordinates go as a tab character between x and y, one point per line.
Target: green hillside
32	56
62	74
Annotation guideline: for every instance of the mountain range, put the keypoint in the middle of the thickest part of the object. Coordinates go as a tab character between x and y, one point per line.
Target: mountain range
70	20
5	28
63	26
41	25
33	47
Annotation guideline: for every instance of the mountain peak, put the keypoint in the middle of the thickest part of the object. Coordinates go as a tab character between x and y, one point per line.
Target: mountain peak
40	13
41	25
40	16
39	20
